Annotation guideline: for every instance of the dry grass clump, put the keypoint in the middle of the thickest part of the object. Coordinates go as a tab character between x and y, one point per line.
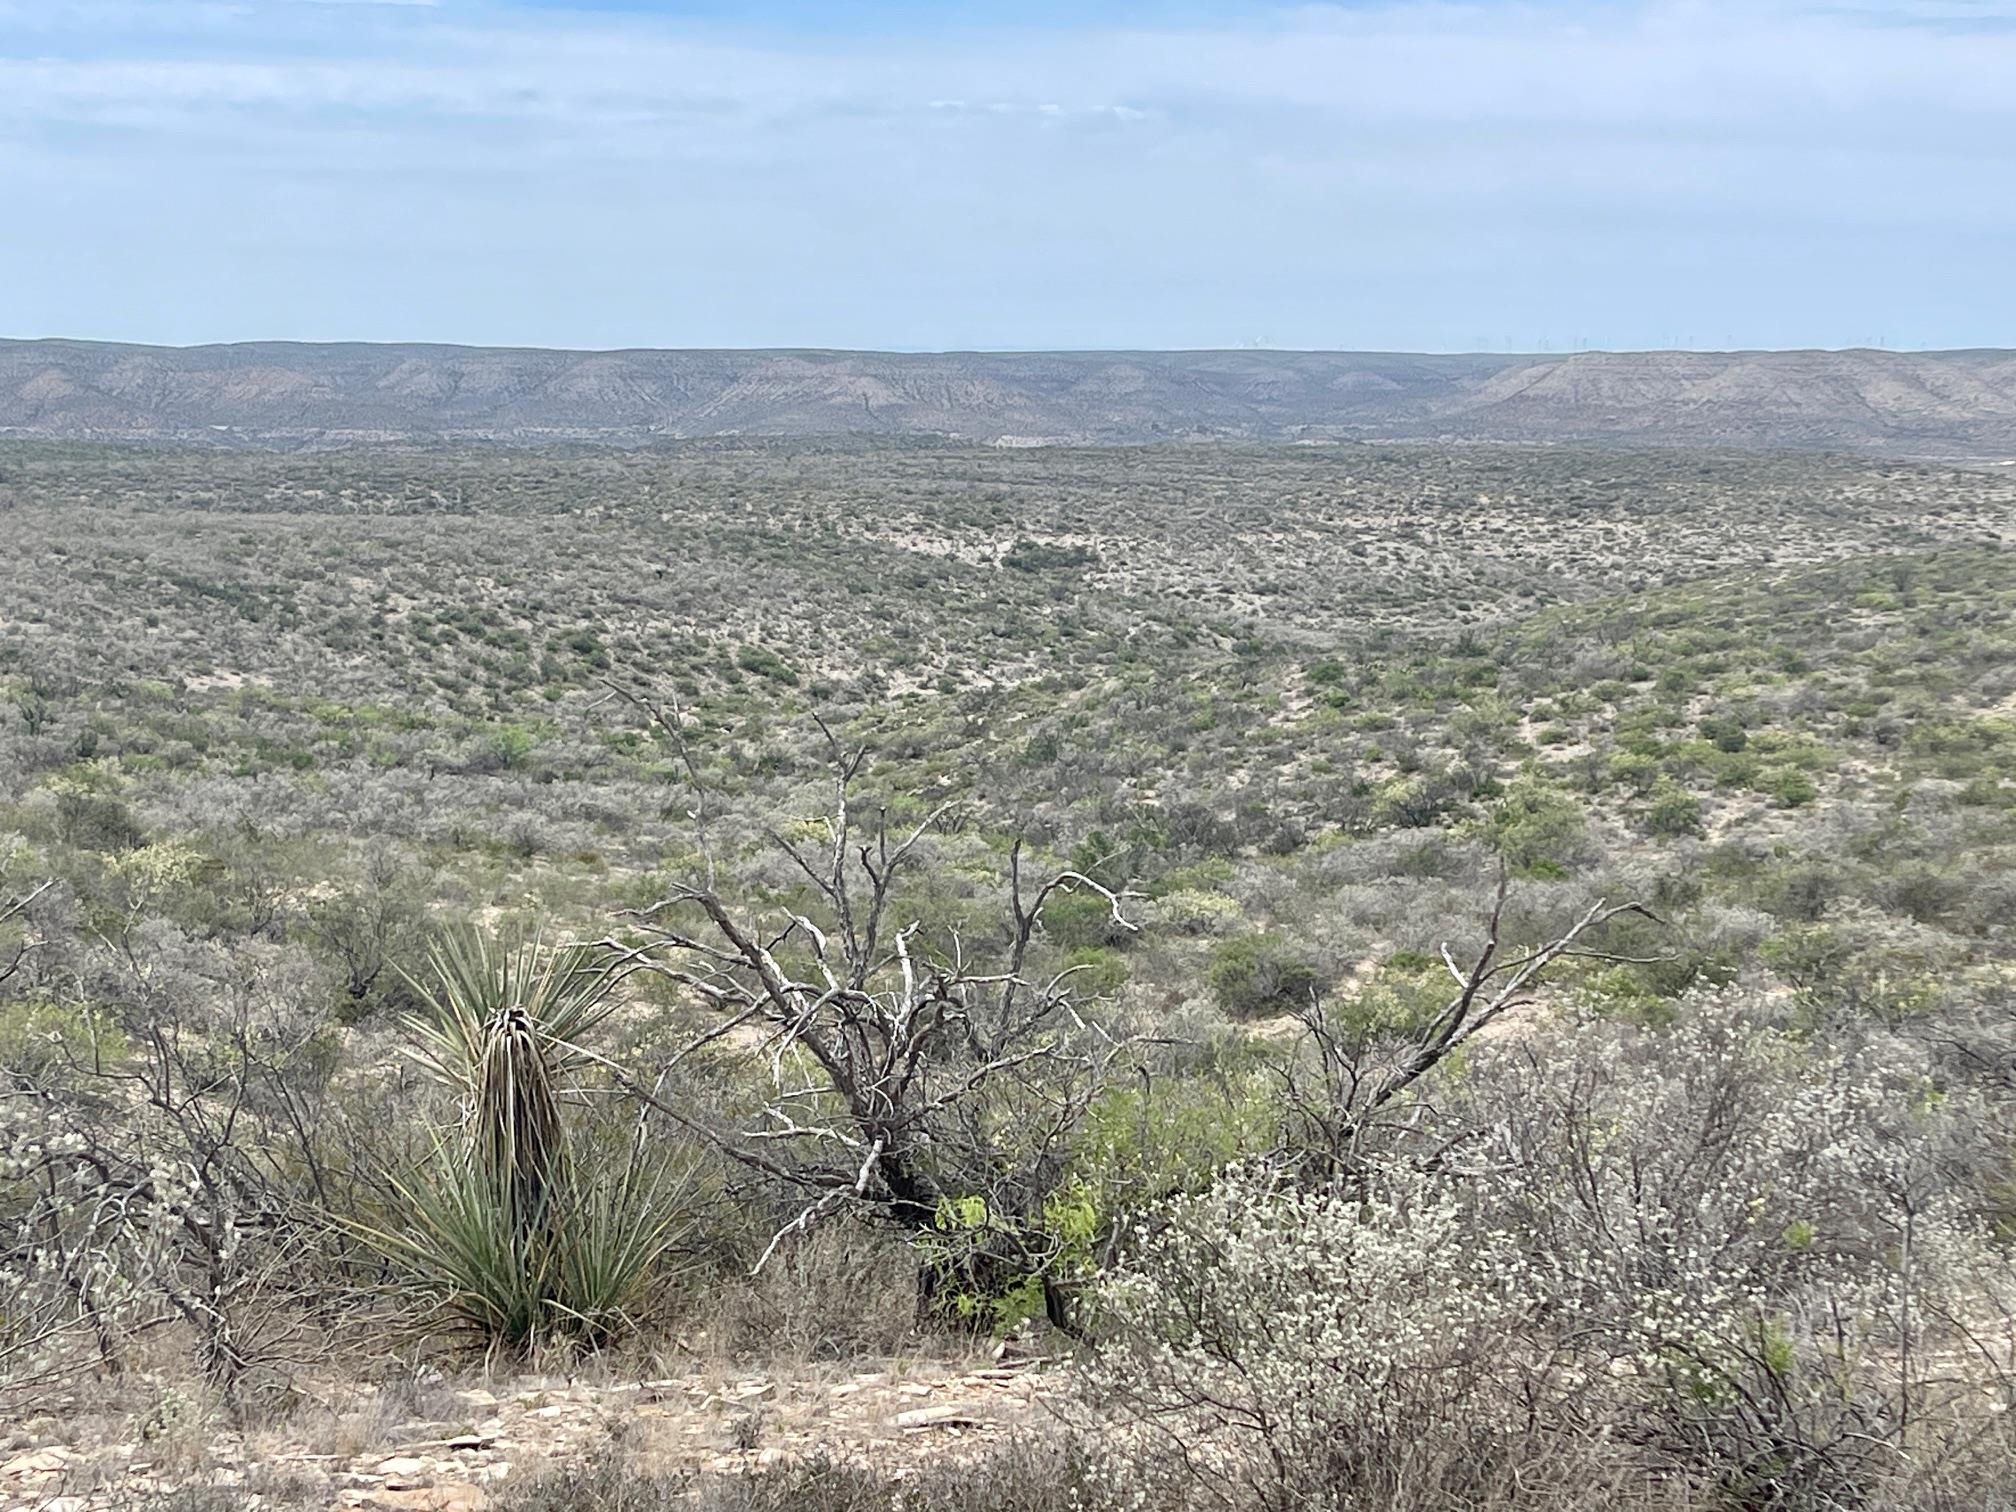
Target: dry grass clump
839	1294
1022	1475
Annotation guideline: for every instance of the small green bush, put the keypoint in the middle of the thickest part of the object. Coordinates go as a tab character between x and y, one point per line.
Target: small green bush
1096	972
1536	828
766	663
1789	787
1725	731
1081	921
1045	556
1256	975
1195	911
1673	810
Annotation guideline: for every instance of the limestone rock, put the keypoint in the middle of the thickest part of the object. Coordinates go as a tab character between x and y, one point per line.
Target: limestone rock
447	1496
952	1415
36	1462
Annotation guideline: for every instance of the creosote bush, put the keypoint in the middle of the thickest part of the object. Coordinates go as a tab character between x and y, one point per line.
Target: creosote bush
1255	975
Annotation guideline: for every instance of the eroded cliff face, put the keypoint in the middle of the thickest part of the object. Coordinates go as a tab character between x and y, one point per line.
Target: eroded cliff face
284	394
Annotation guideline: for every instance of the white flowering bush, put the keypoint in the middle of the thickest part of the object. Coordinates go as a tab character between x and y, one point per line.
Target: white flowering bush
1297	1346
1766	1238
1715	1159
1714	1257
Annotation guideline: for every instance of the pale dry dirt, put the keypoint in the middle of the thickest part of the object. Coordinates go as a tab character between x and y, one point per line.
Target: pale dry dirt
476	1436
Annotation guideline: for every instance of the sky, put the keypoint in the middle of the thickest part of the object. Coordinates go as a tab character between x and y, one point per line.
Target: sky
1412	175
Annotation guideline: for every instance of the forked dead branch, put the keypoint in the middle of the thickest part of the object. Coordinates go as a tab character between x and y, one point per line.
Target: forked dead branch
1348	1082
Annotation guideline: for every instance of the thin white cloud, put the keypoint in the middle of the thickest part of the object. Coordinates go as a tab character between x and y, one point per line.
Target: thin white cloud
1643	63
1151	162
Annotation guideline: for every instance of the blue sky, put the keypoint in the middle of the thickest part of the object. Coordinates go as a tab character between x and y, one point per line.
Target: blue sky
1412	175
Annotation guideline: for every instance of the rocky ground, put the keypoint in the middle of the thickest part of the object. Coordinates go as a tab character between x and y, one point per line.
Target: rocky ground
449	1446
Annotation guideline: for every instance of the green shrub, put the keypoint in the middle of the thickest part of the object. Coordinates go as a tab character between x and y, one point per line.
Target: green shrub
1256	975
1633	770
1082	920
38	1036
1927	894
766	663
1673	810
1045	556
1406	995
1725	732
1204	876
1194	911
1536	828
510	746
1789	787
1096	972
1142	1142
91	811
1412	802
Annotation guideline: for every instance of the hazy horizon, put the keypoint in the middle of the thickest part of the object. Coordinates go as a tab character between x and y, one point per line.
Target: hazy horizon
1085	351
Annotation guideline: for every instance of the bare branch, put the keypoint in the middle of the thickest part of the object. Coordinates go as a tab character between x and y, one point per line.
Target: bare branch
669	717
1350	1098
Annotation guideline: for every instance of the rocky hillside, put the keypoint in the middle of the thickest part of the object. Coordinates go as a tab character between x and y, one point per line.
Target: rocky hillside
1959	404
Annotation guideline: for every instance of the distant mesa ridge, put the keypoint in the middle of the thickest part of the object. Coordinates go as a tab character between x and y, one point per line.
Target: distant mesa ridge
285	394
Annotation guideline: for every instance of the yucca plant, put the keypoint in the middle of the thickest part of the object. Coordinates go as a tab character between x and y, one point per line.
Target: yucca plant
503	1030
506	1232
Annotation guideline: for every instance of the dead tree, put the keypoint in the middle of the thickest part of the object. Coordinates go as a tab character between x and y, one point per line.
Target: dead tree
930	1090
1348	1087
149	1187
